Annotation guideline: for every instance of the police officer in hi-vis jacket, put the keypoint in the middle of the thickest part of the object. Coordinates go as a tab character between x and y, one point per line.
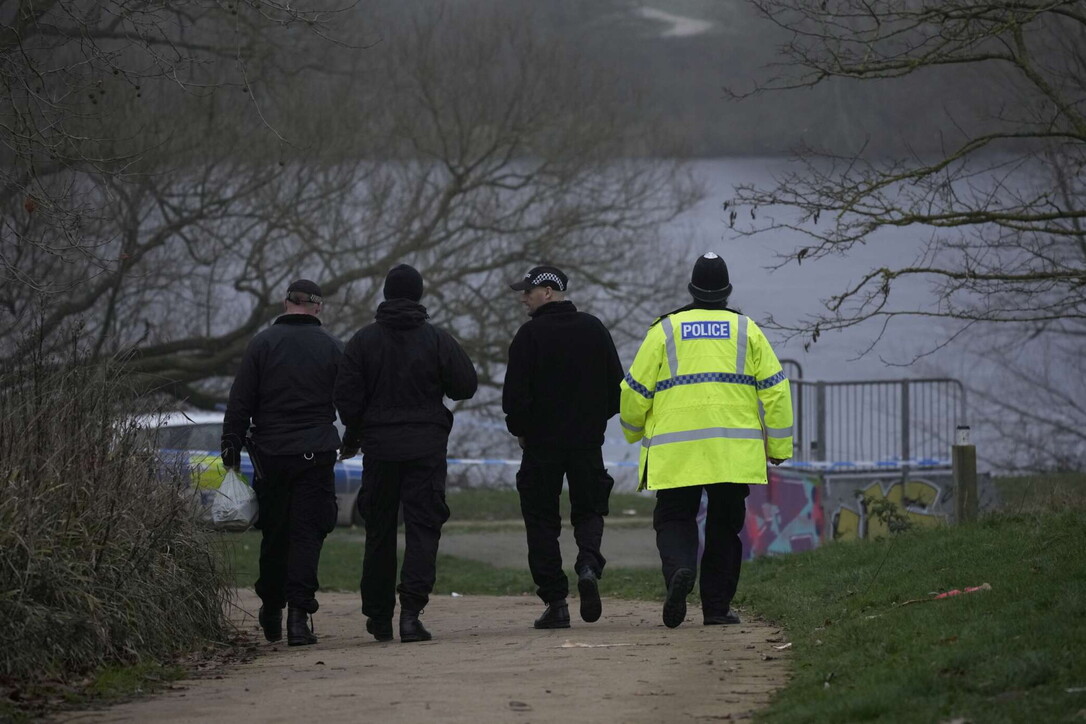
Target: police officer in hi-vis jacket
692	399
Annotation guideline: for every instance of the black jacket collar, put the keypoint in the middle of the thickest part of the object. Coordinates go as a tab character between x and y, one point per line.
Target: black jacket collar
563	307
297	319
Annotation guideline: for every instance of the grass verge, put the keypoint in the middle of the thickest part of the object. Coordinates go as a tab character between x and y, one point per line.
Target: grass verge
1042	492
864	652
28	701
503	504
341	566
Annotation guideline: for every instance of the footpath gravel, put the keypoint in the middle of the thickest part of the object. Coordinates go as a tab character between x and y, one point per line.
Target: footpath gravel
485	664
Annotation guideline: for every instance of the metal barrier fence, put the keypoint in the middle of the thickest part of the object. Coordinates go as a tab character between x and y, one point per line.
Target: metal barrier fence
875	423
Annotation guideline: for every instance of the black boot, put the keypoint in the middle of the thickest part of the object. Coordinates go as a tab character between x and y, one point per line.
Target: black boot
556	615
381	628
299	632
682	582
588	586
721	619
411	629
271	620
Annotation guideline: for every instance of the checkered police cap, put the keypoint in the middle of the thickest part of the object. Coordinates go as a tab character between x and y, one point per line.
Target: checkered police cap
542	276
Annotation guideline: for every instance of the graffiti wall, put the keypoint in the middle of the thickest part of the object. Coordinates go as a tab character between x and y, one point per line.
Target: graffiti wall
785	516
799	510
870	506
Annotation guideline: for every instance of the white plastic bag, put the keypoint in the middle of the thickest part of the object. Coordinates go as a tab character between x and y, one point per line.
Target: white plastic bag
234	507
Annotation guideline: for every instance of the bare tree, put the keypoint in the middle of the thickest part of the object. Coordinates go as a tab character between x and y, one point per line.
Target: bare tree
91	87
1002	203
1032	401
462	143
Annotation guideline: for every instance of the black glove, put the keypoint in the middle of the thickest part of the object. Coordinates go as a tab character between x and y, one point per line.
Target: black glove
231	457
352	441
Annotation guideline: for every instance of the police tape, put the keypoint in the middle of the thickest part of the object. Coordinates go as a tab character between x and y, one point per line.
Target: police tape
509	461
208	457
799	464
868	464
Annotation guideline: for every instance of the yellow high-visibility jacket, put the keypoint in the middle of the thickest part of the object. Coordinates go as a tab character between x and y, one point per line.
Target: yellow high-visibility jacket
692	397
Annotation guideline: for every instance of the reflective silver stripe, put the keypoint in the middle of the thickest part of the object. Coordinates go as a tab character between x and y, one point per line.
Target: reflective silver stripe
779	431
669	339
741	343
630	427
709	433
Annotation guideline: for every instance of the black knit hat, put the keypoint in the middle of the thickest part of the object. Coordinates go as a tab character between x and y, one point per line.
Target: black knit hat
709	280
403	282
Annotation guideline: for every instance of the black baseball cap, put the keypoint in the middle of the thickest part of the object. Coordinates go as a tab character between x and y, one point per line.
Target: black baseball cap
542	276
303	290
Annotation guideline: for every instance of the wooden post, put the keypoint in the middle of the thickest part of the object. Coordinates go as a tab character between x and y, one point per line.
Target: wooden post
964	457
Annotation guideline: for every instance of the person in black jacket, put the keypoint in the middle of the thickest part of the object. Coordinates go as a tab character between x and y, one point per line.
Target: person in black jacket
392	379
284	391
561	387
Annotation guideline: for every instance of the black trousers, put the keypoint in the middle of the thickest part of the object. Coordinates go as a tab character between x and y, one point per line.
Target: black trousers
419	485
297	501
675	521
539	482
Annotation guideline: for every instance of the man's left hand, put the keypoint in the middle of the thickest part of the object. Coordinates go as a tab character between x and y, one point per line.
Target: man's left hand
346	453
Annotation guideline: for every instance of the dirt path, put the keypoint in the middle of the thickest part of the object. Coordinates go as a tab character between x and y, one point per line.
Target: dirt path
485	664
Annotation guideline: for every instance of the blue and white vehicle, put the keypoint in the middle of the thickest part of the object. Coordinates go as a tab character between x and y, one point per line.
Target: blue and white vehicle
195	436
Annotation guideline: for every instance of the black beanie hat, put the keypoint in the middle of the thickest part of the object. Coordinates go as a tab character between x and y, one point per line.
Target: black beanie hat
709	280
403	282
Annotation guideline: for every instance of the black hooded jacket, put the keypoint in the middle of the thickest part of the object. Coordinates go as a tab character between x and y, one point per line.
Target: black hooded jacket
284	389
562	382
392	378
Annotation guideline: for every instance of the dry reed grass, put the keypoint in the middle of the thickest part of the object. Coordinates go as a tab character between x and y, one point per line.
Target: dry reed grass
101	560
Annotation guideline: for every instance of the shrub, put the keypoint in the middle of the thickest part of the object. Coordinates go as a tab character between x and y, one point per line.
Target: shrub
101	560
